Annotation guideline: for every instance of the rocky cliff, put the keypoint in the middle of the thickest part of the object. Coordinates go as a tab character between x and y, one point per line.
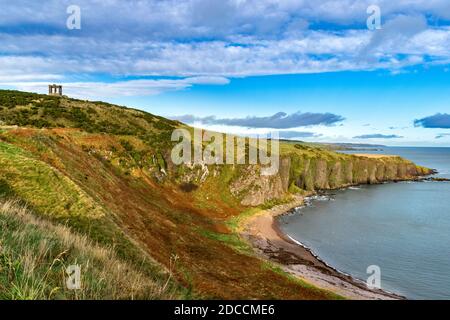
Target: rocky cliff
321	170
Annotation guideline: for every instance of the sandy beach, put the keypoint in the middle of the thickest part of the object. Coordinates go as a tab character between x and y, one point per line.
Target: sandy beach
262	231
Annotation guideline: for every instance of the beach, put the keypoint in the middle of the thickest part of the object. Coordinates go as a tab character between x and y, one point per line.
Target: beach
262	231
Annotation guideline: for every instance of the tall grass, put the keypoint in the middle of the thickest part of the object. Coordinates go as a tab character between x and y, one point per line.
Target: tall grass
35	253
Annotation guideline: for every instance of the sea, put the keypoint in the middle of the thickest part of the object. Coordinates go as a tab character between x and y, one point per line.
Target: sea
396	232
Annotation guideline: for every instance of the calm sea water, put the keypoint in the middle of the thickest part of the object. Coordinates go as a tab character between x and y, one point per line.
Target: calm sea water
404	228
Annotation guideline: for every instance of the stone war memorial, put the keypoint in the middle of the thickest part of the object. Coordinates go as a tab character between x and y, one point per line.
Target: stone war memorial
54	90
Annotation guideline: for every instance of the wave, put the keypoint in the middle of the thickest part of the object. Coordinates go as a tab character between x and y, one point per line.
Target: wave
321	260
322	197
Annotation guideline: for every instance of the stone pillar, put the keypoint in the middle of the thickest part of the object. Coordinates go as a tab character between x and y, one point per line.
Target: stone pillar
54	90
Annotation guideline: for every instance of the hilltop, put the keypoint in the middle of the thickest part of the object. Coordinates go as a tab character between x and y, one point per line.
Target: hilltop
104	171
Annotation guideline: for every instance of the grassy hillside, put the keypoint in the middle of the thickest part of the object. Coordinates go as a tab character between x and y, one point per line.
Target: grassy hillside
104	171
35	254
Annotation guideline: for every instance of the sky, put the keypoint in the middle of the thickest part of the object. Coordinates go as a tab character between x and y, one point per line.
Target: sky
313	70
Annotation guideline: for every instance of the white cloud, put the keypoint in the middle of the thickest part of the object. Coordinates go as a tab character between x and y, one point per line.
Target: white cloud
118	89
316	51
234	38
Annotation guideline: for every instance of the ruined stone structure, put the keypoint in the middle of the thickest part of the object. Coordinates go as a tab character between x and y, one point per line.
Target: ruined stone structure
54	90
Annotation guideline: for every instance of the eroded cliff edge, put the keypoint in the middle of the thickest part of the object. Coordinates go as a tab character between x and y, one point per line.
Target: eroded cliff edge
321	170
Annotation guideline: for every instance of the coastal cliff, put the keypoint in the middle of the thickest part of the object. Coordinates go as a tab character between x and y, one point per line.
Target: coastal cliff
309	169
104	171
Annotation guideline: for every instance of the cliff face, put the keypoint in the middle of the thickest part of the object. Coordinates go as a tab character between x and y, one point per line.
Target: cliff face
302	172
316	173
254	189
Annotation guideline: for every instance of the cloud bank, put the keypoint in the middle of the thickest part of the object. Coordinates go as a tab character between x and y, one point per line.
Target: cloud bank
442	135
297	134
378	136
439	120
120	88
229	38
279	120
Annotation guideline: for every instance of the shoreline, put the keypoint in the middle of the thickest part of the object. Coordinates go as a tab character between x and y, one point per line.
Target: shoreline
263	232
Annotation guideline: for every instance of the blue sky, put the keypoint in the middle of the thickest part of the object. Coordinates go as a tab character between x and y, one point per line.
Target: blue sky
308	68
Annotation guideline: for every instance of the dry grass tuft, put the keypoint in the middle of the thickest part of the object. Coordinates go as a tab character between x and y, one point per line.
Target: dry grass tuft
35	253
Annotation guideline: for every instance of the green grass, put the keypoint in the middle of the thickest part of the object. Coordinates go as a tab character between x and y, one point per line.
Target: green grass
235	222
232	239
41	111
54	196
34	255
44	187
